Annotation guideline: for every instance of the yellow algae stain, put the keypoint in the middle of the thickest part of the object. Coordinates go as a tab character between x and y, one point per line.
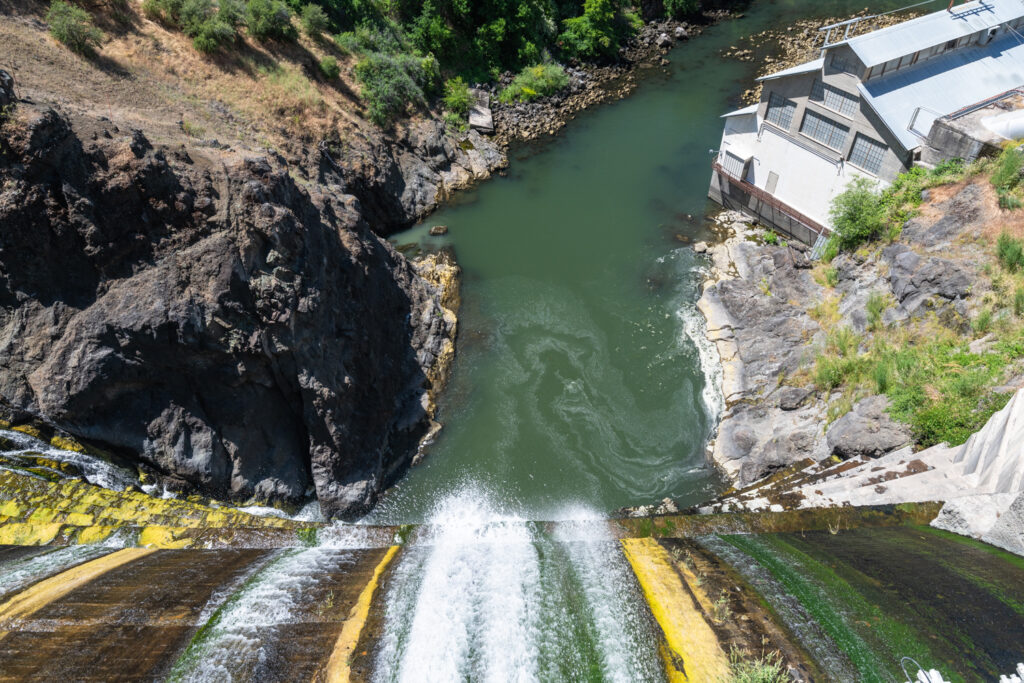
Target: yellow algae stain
24	533
689	637
30	430
79	519
67	444
12	508
164	537
94	534
338	670
41	594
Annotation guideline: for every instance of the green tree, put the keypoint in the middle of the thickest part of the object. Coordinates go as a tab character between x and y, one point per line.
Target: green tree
73	26
858	214
597	32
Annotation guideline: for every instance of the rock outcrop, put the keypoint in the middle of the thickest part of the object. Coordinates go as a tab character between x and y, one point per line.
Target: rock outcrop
762	337
867	431
201	312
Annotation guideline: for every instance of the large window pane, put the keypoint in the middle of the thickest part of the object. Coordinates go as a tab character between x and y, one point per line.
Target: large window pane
835	99
780	111
824	130
867	154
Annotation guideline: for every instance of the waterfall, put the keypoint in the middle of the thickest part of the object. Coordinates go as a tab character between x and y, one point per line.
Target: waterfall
490	597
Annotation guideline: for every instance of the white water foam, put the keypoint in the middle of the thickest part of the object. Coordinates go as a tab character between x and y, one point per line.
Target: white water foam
461	604
467	601
95	470
241	629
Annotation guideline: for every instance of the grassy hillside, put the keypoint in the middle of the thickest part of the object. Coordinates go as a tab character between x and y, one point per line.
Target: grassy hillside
945	373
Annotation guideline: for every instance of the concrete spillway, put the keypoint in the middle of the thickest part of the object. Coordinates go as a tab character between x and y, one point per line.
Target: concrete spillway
477	598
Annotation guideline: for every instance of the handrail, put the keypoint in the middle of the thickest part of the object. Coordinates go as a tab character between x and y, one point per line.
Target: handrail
971	108
769	199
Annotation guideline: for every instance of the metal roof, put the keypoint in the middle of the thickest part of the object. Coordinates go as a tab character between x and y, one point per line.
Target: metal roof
944	84
798	69
752	109
933	29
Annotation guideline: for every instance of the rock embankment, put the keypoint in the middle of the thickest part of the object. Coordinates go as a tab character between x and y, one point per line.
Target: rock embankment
202	312
769	313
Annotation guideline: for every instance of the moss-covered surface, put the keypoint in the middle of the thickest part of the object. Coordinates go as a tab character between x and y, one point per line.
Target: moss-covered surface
882	594
35	511
688	526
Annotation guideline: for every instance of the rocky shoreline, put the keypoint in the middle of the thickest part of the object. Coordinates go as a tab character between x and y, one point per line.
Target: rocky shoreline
591	84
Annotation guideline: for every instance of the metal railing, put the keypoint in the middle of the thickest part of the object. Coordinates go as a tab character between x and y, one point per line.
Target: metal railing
771	201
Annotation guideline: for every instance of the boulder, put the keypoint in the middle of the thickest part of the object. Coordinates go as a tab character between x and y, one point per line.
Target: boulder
663	41
916	280
791	398
681	33
867	431
242	335
7	96
480	117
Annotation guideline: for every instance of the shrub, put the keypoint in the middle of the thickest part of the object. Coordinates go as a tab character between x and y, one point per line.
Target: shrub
770	237
831	276
314	20
391	82
73	26
329	67
535	81
983	323
1018	302
768	668
457	98
875	306
213	34
193	15
269	20
1007	169
1010	252
165	11
857	214
231	12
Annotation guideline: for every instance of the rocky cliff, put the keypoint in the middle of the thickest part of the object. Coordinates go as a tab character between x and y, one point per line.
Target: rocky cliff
239	332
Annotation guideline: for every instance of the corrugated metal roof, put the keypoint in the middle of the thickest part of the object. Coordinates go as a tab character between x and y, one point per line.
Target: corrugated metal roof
937	28
752	109
942	85
798	69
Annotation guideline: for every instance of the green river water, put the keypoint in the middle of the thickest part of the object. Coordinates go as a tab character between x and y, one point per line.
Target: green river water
578	380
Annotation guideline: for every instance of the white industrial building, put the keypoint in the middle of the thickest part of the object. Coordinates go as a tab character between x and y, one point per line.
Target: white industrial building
947	84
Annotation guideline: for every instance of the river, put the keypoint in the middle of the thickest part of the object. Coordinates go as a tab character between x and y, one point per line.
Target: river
580	377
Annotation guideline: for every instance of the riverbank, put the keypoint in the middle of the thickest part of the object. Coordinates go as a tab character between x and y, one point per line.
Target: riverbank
886	350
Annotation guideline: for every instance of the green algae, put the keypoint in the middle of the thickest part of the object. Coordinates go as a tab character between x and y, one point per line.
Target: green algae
861	630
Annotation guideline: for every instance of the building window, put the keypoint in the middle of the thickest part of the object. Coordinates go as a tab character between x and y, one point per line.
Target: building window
834	98
867	154
780	111
839	63
824	130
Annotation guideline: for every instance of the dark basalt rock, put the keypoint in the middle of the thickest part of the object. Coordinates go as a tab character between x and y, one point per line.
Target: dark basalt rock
7	96
243	336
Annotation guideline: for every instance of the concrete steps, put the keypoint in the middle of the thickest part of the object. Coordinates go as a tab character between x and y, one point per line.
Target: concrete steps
980	482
